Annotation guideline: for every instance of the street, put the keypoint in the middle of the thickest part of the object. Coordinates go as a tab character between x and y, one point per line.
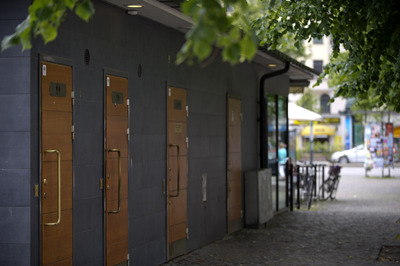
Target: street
350	230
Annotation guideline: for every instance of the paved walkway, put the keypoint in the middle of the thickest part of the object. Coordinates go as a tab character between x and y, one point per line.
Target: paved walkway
349	230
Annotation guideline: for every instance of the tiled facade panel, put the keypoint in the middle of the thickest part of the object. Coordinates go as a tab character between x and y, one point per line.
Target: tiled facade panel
15	143
122	43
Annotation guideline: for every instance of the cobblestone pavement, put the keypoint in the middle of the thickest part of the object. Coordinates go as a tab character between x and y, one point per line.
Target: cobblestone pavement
349	230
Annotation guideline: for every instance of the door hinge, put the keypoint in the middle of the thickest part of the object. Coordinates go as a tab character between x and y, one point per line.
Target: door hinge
127	102
169	92
36	190
187	143
187	233
73	132
127	132
101	183
187	111
73	97
241	117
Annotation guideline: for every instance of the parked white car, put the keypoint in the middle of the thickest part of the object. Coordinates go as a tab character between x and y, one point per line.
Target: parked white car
354	155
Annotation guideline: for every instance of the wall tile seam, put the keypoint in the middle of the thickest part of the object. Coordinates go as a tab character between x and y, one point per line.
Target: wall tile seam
148	243
19	94
76	198
16	131
14	56
6	169
16	206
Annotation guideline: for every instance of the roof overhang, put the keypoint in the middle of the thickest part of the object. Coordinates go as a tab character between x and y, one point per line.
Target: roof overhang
167	12
167	15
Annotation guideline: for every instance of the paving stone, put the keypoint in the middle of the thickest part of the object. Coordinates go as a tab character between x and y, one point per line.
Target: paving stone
349	230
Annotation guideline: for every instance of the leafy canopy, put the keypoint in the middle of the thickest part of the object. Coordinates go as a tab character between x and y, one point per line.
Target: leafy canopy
45	16
309	100
366	29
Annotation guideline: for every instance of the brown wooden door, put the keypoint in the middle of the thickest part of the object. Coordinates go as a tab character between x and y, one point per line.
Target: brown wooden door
116	179
177	172
234	171
56	161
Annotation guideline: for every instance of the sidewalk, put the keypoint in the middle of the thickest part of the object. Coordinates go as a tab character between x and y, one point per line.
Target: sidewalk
349	230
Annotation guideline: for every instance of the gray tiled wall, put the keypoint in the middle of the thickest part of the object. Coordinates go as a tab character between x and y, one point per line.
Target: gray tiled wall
15	139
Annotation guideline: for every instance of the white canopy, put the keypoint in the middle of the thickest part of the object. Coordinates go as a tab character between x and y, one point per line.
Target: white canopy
302	114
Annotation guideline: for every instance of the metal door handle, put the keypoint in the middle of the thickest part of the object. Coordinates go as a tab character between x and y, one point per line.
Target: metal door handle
119	180
178	170
58	186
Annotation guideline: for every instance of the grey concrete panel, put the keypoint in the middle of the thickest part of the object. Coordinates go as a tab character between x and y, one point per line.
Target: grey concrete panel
207	146
147	202
151	148
216	225
15	112
151	253
210	165
14	10
88	247
87	181
134	172
15	150
88	215
15	254
151	170
16	190
207	124
197	238
146	229
216	188
88	83
15	76
15	225
89	136
207	103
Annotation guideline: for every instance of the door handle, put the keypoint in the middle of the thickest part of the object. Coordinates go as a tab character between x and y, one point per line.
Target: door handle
58	186
178	170
119	180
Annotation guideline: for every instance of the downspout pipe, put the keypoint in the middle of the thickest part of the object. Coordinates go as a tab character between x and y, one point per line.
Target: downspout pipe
264	115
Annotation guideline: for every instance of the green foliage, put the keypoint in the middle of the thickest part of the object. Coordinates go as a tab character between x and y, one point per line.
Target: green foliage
287	46
219	24
367	30
322	148
309	100
44	19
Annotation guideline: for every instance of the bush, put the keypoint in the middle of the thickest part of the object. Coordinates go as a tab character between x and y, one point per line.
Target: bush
322	149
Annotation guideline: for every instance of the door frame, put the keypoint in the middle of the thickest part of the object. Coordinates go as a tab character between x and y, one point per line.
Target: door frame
165	182
235	97
36	225
121	74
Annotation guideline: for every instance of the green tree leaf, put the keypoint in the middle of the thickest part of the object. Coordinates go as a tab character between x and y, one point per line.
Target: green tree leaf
84	10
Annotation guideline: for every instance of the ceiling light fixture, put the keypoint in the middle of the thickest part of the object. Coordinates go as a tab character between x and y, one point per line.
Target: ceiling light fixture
132	12
134	6
271	65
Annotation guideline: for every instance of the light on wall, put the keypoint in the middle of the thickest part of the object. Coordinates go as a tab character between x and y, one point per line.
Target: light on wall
132	12
134	6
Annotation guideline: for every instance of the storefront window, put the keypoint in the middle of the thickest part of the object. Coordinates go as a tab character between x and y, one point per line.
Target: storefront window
282	119
277	137
271	127
282	140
